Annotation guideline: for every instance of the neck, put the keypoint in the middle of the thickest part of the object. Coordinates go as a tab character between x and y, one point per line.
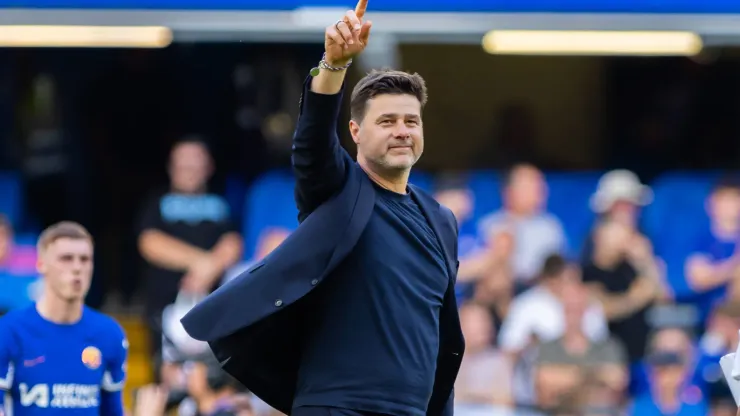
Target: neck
552	286
518	212
198	191
396	181
57	310
727	228
667	398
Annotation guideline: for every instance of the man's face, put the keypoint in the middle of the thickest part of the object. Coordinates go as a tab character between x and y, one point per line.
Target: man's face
724	204
527	191
190	167
390	136
67	267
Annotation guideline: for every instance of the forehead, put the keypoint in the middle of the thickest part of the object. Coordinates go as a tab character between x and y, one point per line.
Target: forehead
188	152
526	174
726	192
393	104
71	245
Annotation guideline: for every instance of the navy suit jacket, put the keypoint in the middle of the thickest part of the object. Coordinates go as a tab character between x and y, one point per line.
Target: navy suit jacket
254	324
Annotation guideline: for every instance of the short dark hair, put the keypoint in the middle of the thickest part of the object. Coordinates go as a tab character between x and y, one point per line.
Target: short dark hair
385	81
727	183
554	266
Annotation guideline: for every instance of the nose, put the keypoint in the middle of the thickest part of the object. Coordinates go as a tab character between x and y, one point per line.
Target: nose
401	130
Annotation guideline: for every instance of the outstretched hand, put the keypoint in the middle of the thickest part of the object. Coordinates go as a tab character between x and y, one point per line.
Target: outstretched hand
348	37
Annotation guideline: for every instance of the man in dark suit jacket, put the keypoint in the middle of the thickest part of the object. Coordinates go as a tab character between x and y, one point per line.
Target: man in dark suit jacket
355	313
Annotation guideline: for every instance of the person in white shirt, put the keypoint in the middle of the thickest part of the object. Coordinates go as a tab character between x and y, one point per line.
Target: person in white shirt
538	316
538	312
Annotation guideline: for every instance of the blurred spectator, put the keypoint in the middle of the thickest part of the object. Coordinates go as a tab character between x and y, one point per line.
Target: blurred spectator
538	313
495	288
177	346
150	400
269	240
623	274
669	372
573	362
714	266
489	267
537	234
455	195
483	385
619	197
720	338
186	236
212	392
537	316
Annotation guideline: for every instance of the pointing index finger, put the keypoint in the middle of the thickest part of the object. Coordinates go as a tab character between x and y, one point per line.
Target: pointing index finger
360	8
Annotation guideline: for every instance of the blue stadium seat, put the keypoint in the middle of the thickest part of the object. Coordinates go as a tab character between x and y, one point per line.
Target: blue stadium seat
268	203
11	197
677	211
569	201
236	189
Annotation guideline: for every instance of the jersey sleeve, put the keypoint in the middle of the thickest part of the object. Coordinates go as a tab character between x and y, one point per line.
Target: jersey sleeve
114	377
115	363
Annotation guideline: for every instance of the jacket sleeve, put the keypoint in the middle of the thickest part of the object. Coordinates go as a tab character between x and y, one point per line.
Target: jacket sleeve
449	409
319	162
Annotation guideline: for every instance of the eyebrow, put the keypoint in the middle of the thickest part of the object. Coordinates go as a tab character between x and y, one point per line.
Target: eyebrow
394	115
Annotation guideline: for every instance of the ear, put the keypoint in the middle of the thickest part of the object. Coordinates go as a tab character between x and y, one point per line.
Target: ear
40	266
354	130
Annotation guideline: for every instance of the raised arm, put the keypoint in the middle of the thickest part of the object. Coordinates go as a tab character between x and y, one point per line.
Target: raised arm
319	162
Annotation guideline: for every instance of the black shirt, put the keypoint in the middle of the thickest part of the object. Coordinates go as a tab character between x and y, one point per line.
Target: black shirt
377	338
632	330
199	220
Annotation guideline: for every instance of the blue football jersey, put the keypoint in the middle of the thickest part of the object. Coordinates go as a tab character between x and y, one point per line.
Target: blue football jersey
49	369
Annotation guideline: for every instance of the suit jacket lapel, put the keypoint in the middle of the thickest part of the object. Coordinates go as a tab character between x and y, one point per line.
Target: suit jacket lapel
445	232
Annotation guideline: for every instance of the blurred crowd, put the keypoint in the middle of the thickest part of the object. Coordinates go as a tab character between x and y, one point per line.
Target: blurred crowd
552	326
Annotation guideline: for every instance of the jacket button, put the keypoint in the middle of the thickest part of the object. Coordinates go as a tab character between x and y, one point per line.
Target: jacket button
314	282
278	303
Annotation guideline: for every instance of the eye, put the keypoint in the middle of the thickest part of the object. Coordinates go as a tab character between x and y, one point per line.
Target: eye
413	122
386	122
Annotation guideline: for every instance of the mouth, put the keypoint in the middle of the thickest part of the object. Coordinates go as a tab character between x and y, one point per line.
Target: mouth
399	147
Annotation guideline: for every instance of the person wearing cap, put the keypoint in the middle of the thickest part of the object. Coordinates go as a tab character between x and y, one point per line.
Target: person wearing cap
624	274
713	268
669	374
619	196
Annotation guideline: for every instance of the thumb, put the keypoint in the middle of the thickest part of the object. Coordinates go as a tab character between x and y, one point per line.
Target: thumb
365	32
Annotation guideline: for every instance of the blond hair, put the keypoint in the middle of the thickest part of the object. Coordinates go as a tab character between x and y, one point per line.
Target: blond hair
64	229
